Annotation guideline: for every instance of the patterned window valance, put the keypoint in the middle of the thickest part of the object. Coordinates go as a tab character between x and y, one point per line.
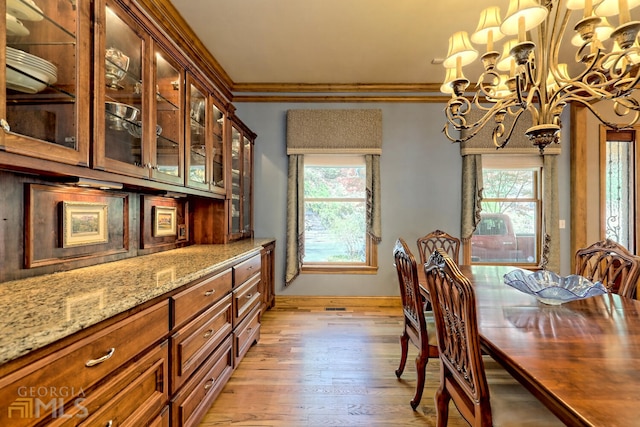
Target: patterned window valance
334	131
482	143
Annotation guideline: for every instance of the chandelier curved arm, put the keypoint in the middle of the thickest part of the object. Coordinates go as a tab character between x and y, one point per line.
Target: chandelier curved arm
498	131
486	89
456	112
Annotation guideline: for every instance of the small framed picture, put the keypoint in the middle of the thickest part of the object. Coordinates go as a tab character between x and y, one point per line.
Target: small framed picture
84	224
164	221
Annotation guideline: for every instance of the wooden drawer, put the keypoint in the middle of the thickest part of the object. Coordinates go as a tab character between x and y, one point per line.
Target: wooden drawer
195	398
161	420
133	397
246	269
201	295
80	366
245	298
246	334
191	345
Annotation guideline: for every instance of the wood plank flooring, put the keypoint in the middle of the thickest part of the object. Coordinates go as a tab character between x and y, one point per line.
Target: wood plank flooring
319	367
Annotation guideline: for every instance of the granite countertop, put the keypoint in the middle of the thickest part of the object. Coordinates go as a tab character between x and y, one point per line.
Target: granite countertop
41	310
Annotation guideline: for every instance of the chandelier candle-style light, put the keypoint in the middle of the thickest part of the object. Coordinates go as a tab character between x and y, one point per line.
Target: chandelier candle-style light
527	75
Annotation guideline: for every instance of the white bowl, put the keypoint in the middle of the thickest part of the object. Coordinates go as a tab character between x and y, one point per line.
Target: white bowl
15	27
26	10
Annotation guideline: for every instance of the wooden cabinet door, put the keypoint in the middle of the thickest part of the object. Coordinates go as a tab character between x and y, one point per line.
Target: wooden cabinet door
122	75
247	187
167	118
217	161
235	202
197	144
46	80
240	212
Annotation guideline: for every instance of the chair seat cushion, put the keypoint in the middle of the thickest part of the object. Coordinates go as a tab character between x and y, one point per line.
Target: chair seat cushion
512	405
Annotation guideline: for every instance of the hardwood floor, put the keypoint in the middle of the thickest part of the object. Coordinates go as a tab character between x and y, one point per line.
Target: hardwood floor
327	367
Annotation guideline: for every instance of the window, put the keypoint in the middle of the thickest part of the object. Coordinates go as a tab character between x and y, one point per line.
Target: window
509	229
618	159
335	201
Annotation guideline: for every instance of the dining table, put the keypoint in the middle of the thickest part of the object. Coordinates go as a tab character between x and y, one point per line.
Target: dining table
580	358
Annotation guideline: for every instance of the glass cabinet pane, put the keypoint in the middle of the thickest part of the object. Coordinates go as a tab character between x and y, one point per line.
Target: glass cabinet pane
41	74
218	149
236	152
246	185
197	136
123	93
168	115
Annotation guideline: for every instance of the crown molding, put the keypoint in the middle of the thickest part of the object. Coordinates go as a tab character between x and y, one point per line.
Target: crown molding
335	87
340	98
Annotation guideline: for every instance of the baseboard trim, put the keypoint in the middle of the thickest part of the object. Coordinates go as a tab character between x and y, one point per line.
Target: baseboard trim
317	302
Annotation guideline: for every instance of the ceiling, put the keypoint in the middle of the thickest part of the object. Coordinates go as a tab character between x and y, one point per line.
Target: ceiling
390	43
330	41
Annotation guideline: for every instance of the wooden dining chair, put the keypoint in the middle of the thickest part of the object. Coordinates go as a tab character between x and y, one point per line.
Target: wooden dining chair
418	328
612	264
435	240
483	392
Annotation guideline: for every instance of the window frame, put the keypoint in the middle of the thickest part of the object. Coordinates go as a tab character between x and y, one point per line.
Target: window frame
624	135
370	265
513	163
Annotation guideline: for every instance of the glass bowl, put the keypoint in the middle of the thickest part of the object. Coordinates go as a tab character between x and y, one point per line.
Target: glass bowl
551	288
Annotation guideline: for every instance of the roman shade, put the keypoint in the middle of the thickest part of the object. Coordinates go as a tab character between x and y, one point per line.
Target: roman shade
334	132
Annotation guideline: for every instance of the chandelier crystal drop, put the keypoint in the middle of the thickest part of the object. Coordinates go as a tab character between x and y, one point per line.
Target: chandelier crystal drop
526	76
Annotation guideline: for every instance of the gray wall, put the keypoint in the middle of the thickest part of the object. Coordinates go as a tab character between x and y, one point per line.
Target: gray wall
421	185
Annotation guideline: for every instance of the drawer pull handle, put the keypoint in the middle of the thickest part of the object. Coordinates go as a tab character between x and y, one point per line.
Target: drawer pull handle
249	296
99	360
109	423
209	293
209	383
209	333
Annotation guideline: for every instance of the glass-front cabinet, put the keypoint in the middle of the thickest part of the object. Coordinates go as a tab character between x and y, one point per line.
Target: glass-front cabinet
218	153
167	154
235	228
205	140
240	200
47	58
197	136
123	77
247	187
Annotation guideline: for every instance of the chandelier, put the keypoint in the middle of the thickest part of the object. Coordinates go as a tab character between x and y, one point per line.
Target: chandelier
527	76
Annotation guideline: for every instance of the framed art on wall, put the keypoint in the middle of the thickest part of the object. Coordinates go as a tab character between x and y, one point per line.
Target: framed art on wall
164	221
84	224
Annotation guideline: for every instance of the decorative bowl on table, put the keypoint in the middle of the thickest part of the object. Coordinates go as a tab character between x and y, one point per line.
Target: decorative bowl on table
551	288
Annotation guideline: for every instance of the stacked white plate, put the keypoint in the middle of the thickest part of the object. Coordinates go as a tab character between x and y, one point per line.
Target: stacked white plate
31	74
